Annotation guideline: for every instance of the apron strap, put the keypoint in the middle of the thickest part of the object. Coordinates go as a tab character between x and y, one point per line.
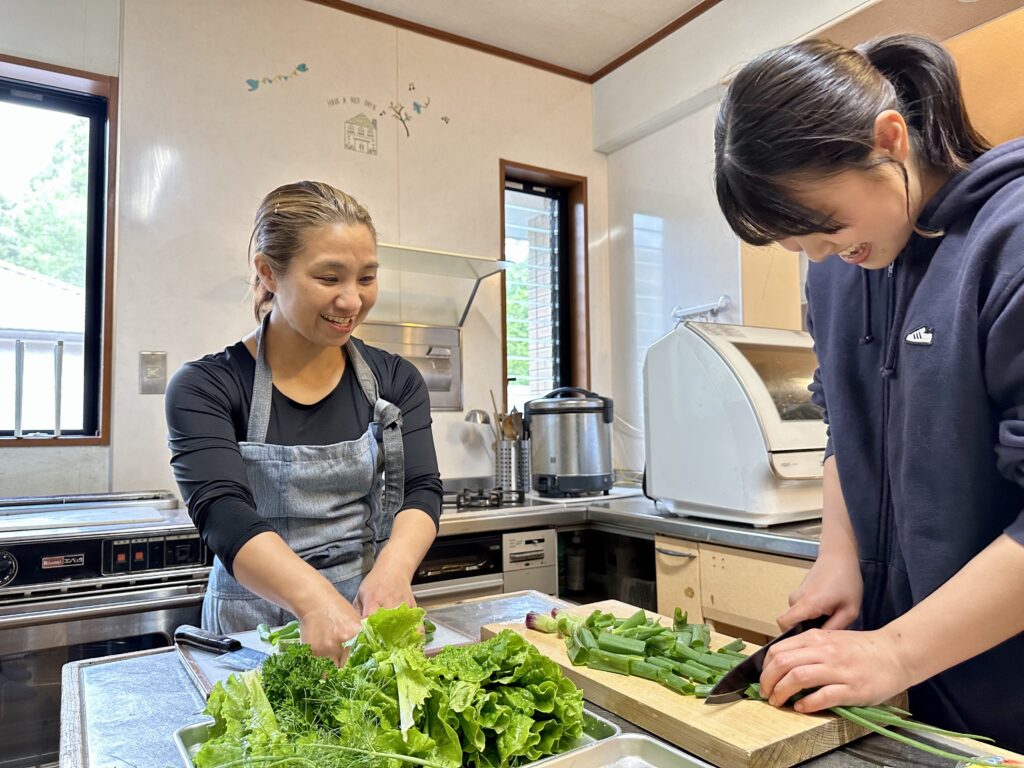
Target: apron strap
262	391
389	419
387	427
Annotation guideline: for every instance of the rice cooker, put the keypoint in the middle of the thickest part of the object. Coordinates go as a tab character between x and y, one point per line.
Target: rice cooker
570	431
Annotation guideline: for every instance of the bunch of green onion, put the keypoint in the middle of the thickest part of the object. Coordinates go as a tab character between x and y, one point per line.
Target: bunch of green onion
680	658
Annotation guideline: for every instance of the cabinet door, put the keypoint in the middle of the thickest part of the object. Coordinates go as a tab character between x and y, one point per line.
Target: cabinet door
747	589
678	569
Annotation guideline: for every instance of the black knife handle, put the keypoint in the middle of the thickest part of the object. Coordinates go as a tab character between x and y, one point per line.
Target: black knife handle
816	623
186	634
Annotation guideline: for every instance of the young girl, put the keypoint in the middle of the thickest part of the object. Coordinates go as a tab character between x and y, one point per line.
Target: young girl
866	161
305	456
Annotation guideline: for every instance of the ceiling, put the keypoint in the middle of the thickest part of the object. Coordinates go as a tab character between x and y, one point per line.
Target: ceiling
581	36
586	39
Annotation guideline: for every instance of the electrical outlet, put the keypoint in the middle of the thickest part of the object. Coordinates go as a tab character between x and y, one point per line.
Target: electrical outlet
152	373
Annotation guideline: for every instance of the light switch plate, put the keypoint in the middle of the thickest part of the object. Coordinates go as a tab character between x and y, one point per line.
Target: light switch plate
152	373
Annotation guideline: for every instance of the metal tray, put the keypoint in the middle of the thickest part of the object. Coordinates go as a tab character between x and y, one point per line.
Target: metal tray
628	750
596	730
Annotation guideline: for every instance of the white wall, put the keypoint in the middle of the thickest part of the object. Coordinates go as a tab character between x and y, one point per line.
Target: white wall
684	72
658	183
655	117
198	150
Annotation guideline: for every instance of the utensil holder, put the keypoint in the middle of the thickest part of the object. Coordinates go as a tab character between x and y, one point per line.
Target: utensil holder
504	465
522	479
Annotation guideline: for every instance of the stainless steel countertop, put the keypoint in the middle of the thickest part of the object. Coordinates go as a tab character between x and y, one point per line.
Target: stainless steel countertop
121	711
638	516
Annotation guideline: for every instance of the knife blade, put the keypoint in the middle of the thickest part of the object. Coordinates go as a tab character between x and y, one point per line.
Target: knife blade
232	653
739	678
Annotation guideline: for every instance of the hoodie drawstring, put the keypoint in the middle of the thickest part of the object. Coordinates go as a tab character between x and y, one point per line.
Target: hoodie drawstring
865	292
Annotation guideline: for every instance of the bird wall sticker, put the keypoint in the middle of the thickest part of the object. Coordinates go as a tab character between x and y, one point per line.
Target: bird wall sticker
254	84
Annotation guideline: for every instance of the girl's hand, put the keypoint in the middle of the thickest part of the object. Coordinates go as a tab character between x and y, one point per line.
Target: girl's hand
846	668
329	625
833	587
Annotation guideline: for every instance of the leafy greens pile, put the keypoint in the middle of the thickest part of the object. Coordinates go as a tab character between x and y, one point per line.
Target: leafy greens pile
493	704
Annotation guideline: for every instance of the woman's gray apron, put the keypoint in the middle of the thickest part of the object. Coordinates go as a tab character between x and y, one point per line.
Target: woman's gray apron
330	503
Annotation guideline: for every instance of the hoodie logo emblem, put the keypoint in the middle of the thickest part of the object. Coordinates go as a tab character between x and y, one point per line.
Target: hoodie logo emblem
921	336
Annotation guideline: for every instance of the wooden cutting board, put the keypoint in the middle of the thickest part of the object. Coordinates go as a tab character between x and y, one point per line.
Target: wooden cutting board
744	734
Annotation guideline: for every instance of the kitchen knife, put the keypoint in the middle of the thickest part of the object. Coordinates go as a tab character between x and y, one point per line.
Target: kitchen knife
232	653
739	678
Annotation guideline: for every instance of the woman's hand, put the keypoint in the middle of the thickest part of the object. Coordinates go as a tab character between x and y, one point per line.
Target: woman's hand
846	668
388	584
833	587
328	625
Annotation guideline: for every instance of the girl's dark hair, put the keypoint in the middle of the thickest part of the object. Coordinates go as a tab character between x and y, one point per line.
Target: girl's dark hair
808	110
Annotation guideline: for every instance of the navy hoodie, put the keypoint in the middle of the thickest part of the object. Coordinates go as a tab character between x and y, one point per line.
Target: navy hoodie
921	375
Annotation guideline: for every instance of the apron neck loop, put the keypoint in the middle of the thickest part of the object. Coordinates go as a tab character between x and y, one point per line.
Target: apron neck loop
262	389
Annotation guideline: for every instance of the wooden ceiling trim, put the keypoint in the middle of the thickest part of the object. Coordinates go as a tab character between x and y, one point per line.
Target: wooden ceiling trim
448	37
657	37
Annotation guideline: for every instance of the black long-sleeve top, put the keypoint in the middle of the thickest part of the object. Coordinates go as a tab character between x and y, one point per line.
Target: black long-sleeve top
207	408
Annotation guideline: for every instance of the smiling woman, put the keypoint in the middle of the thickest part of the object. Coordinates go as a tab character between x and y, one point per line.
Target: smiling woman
868	155
305	455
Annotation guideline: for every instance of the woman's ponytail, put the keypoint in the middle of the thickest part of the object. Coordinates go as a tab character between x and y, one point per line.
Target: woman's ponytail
930	99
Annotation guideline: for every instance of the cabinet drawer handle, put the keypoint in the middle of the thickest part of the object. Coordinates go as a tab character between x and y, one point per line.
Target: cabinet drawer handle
673	553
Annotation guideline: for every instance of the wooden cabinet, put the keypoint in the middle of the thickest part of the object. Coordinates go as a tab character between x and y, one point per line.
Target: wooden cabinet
747	589
734	588
770	285
677	563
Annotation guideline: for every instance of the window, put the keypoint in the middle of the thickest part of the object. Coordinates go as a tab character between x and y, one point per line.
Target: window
53	243
537	343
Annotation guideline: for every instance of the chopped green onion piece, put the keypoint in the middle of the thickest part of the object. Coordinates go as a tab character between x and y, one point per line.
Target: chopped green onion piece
735	645
608	662
679	619
648	671
616	644
678	684
635	620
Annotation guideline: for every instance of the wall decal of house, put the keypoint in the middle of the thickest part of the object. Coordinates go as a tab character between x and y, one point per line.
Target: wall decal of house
361	134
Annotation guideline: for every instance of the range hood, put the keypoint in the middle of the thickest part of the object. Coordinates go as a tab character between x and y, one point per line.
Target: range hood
422	286
423	300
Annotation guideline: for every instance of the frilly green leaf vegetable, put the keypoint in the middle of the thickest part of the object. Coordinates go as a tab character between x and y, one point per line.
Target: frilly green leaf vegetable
498	703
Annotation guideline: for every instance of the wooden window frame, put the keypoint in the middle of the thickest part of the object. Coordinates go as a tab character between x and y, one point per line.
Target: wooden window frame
579	296
106	86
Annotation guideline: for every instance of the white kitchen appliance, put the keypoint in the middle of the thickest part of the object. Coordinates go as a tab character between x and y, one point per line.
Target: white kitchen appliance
731	432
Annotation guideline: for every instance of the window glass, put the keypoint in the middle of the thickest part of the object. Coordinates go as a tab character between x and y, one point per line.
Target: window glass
532	296
50	259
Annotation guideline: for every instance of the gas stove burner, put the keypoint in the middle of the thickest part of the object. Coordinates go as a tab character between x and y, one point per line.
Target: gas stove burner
489	498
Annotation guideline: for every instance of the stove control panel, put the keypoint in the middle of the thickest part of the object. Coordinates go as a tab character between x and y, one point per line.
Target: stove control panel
34	563
149	553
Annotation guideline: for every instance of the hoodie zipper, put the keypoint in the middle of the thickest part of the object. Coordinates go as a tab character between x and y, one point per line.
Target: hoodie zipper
885	517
